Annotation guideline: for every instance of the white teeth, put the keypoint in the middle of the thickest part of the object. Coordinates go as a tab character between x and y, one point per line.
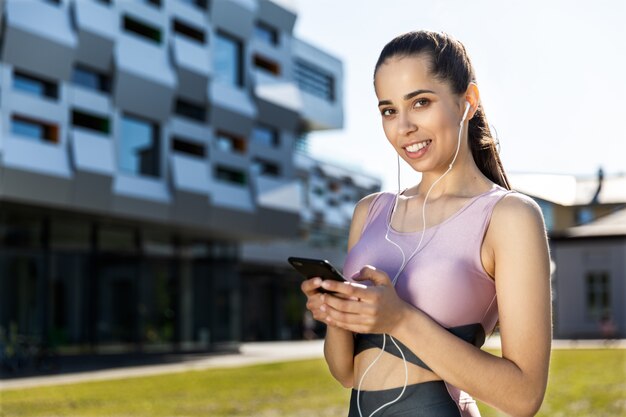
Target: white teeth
417	146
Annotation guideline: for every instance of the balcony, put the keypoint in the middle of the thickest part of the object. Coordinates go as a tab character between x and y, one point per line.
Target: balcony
39	36
320	80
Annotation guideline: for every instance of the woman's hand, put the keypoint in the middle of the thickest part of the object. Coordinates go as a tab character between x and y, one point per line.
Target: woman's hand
375	309
311	288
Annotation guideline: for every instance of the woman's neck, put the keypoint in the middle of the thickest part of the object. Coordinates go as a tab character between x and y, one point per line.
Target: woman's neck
464	179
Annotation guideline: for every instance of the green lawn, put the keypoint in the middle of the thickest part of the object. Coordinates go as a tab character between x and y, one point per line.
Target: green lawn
582	383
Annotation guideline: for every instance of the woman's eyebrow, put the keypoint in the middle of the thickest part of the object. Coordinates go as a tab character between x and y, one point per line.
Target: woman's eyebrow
407	96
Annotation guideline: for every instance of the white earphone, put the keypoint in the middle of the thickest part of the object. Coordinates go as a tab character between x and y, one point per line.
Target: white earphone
467	107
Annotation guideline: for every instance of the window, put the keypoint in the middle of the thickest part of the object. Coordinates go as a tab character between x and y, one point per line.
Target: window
315	80
228	59
198	3
188	147
266	33
142	29
265	135
34	129
190	110
266	65
35	85
91	122
139	146
88	78
584	215
231	175
598	294
230	143
259	166
188	31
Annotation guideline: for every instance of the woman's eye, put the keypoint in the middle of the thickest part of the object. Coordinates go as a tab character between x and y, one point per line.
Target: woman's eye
421	102
386	112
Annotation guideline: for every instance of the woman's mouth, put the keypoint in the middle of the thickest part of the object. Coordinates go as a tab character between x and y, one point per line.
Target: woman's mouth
415	150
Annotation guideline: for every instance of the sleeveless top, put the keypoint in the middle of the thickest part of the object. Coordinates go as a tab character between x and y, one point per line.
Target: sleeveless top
445	278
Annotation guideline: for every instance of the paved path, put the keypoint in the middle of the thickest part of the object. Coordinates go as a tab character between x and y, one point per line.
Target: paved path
249	354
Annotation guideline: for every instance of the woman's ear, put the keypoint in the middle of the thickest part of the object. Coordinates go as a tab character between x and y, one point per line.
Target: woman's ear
472	96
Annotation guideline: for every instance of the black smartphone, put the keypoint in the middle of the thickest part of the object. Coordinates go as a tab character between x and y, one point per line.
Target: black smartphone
310	268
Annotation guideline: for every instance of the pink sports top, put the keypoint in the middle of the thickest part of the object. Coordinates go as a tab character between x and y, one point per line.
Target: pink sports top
445	278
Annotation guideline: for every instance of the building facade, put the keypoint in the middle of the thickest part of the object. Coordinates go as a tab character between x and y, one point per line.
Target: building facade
590	279
141	144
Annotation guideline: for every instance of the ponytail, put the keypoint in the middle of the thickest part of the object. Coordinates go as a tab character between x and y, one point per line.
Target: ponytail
484	149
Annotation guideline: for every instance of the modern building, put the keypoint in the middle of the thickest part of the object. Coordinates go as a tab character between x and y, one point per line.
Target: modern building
590	278
142	142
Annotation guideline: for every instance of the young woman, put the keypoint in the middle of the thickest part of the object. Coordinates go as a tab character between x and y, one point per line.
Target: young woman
443	261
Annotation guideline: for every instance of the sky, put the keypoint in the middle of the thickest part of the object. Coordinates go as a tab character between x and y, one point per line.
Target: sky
552	78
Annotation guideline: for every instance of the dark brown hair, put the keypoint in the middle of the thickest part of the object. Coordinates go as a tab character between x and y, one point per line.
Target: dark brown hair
450	63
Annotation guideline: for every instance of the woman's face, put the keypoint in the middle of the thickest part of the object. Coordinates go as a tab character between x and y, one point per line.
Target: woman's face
420	114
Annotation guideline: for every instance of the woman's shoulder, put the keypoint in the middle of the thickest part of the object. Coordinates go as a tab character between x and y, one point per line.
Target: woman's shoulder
516	210
364	205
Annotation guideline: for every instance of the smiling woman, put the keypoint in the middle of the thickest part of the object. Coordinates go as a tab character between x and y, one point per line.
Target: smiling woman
410	341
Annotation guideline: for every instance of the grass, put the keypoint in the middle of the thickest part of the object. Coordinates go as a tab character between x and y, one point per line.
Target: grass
582	383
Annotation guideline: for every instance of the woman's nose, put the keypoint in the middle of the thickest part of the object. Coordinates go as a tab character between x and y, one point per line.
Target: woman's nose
405	124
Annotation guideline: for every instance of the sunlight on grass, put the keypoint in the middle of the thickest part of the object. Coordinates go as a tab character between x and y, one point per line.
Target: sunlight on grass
582	383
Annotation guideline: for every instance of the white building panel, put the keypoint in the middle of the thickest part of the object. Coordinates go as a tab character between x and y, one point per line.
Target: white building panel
233	110
93	101
193	67
145	81
92	152
97	28
234	16
38	36
190	174
43	158
231	196
278	193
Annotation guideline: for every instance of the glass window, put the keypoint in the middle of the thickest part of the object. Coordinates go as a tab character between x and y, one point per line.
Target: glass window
315	80
190	110
188	147
91	79
142	29
266	33
230	143
266	65
91	122
188	31
228	59
231	175
262	167
598	294
265	135
35	85
34	129
584	215
139	146
198	3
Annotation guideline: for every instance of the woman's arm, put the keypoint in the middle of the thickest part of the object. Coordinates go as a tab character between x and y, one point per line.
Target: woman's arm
339	343
514	383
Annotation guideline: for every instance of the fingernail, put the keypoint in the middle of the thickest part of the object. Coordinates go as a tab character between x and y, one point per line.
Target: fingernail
325	284
323	308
